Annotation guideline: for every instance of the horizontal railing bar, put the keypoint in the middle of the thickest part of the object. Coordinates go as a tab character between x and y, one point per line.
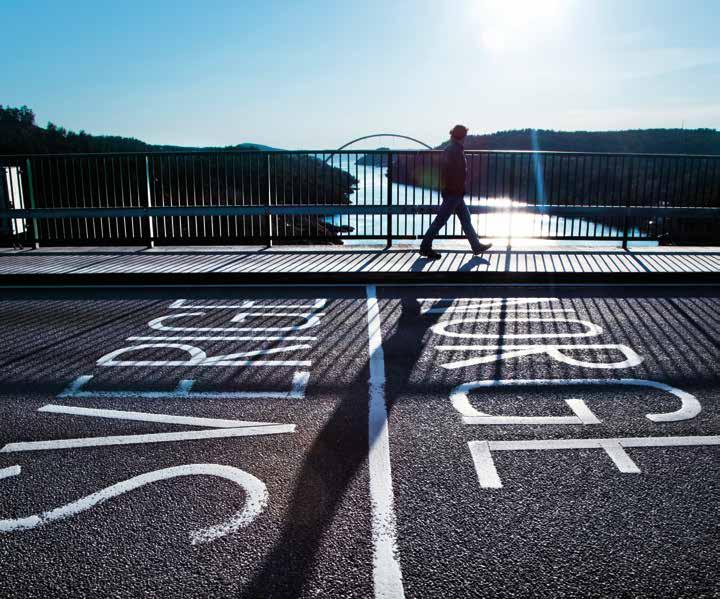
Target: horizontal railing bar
340	209
289	240
344	152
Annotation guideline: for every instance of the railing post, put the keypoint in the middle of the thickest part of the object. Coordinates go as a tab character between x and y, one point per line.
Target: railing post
625	231
6	204
151	227
31	192
269	197
627	203
389	198
511	195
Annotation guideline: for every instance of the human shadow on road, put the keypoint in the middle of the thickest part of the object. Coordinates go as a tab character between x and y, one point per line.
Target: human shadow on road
473	263
337	454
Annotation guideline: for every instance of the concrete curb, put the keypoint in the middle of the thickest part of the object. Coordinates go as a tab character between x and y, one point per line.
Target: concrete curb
338	278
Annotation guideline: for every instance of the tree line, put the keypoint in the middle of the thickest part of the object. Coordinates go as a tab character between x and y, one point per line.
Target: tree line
670	168
238	175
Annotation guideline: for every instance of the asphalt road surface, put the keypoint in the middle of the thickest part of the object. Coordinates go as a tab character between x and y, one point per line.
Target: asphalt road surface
360	442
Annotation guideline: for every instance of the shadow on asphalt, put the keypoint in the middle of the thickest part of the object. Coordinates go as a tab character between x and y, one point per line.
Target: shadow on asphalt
284	570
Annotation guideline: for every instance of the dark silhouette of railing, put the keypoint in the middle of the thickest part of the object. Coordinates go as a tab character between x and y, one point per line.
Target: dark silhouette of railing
250	197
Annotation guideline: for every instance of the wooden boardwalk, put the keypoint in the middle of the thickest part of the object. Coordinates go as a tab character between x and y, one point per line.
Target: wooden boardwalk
354	263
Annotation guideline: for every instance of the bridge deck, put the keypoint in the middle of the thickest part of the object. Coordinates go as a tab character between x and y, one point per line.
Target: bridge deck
354	264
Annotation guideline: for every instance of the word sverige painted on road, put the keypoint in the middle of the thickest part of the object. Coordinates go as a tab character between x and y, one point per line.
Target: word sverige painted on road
305	317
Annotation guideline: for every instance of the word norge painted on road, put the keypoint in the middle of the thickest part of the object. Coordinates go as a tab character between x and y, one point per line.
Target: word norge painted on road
174	339
476	311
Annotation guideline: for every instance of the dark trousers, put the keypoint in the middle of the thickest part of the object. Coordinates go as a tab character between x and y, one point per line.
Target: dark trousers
451	204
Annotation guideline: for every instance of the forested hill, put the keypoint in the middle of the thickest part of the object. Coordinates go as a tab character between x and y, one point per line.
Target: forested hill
641	141
171	181
19	134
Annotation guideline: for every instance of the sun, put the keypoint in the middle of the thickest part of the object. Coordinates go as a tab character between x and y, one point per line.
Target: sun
507	25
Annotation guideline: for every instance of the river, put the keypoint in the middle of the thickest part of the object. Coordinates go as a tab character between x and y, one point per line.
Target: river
518	226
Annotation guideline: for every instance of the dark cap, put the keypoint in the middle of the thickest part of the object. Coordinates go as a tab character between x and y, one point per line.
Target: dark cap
459	131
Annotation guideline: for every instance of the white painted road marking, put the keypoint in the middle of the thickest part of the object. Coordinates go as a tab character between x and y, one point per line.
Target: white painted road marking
583	415
484	465
493	309
199	358
8	472
183	391
592	330
218	433
319	303
223	338
497	302
256	498
505	352
180	303
689	404
147	417
312	319
481	451
387	576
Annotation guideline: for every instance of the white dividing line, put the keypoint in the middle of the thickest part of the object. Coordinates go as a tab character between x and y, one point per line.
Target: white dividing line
256	498
387	576
218	433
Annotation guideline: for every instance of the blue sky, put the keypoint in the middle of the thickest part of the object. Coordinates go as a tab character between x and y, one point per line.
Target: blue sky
315	74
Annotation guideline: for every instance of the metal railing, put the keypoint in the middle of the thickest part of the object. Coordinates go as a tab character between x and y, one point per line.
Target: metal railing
244	197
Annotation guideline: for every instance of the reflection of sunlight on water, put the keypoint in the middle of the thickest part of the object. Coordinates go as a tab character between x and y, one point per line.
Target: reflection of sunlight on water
516	225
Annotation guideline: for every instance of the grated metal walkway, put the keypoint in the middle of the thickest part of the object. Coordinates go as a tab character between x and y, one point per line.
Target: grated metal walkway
352	263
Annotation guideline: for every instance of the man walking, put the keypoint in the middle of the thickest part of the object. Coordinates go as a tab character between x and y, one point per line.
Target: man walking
453	170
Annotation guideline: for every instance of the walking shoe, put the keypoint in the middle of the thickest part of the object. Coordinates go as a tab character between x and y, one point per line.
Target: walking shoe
430	254
483	247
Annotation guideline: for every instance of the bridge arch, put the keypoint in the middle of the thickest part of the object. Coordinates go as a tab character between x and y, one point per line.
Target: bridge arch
398	135
422	143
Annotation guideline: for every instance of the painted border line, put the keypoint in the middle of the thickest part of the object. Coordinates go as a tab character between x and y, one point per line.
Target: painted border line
387	576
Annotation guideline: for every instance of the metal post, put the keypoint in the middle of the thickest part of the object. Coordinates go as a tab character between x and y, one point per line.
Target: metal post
31	192
389	199
510	197
6	204
627	204
151	227
269	216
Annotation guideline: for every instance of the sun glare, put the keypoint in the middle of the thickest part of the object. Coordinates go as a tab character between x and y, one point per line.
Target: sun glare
507	25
